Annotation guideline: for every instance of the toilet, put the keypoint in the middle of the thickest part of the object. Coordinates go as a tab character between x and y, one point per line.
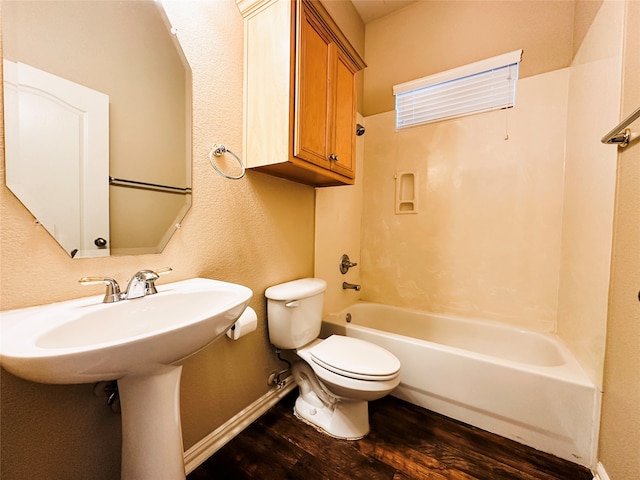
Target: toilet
338	376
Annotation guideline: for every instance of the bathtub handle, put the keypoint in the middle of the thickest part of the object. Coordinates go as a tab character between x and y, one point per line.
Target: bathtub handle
292	304
346	264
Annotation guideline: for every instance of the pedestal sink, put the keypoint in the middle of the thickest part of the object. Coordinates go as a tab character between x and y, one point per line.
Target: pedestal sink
136	342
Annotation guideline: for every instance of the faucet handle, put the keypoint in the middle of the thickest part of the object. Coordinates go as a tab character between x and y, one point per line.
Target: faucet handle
151	276
346	264
113	289
143	283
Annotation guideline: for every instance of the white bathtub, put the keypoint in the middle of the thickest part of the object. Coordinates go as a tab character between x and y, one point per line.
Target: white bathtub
516	383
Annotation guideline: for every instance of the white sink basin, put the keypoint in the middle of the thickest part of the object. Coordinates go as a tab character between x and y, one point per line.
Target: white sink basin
84	340
132	341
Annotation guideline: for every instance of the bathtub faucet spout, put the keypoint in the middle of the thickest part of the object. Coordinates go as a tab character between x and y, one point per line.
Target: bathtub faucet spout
352	286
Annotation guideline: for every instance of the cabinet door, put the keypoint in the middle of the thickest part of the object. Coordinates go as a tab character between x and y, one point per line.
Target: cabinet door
312	89
342	144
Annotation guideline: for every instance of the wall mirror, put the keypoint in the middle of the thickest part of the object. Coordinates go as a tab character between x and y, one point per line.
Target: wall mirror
97	122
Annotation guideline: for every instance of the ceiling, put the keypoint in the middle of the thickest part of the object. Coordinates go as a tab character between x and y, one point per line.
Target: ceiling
370	10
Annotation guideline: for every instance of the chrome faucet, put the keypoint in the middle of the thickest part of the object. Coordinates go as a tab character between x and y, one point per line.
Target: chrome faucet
352	286
140	285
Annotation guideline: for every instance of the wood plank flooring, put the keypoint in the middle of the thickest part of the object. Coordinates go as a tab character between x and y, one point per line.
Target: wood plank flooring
405	442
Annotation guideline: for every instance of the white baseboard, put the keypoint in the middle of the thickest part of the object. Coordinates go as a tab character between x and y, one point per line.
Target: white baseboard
217	439
601	473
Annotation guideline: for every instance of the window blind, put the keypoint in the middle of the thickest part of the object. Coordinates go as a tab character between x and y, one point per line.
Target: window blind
479	87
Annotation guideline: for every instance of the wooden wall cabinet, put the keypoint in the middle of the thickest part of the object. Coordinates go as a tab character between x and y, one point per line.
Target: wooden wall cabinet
299	92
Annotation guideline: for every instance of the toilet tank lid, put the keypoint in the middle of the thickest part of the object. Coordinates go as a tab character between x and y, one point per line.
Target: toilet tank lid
296	289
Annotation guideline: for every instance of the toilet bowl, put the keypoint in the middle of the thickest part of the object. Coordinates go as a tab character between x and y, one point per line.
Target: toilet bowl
337	376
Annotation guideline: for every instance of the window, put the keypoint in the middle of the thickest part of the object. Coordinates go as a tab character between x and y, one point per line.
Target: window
478	87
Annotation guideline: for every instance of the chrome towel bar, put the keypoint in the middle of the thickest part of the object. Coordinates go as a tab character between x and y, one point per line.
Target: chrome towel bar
120	182
620	135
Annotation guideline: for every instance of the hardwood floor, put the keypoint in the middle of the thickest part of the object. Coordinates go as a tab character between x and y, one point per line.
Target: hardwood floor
405	442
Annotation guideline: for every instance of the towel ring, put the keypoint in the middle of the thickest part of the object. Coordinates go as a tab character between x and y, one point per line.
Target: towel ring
217	151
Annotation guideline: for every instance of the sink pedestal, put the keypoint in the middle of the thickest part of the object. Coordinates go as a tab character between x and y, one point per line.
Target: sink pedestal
151	431
138	342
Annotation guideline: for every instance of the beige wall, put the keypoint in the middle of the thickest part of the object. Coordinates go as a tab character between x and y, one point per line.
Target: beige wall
258	231
620	427
584	13
346	17
432	36
338	231
589	184
486	239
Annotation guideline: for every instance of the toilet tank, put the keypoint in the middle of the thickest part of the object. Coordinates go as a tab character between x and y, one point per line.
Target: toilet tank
294	312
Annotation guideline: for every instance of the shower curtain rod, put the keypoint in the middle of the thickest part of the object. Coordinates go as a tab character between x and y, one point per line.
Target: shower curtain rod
620	135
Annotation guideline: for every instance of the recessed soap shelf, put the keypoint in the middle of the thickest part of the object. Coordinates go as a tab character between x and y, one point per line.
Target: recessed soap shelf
406	193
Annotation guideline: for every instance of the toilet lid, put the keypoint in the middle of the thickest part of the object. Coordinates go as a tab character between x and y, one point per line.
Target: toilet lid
355	358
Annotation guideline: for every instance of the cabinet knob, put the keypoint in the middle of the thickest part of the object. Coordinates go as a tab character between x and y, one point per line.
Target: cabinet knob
333	157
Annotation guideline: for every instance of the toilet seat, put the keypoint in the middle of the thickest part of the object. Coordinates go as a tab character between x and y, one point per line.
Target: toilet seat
355	358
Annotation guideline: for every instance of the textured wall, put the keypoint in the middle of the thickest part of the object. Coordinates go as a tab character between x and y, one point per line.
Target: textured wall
257	231
619	439
430	37
486	239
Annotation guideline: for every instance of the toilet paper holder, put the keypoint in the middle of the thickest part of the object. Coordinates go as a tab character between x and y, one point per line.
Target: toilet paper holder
246	323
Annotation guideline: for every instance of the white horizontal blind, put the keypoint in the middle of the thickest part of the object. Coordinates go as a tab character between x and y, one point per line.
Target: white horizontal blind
480	87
